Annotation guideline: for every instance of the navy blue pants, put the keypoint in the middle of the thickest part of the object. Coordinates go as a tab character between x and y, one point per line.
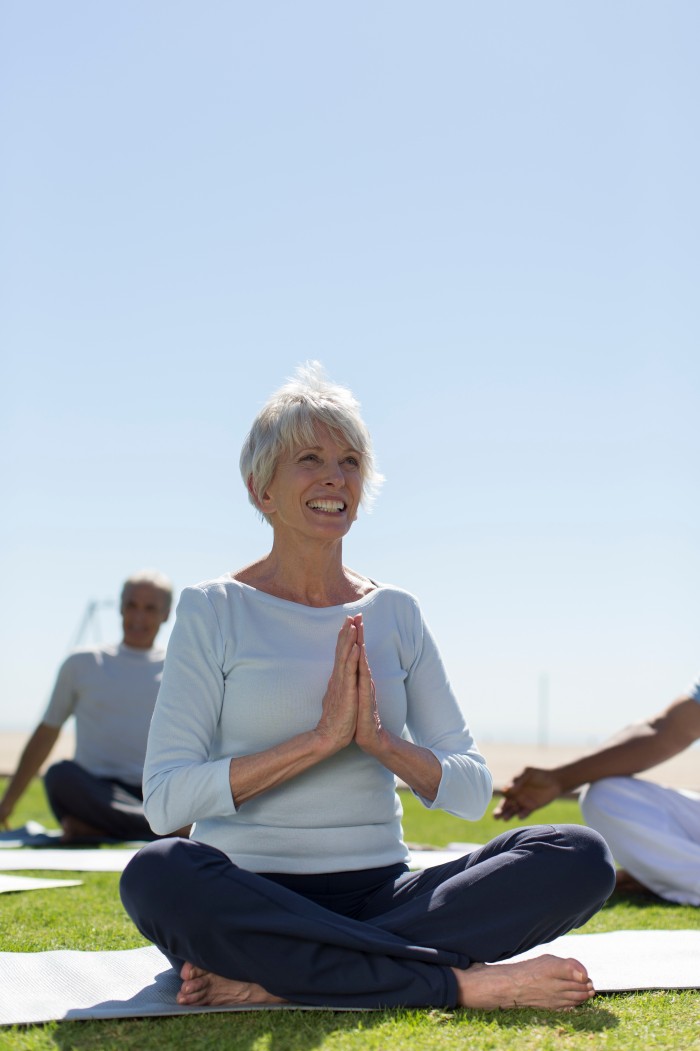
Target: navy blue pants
378	937
113	807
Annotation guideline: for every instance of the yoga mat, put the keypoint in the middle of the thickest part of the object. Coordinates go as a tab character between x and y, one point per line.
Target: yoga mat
9	884
66	859
95	859
621	961
66	984
35	835
30	835
134	983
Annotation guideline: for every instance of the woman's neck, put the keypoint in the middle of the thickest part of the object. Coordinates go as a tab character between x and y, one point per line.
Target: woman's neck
314	577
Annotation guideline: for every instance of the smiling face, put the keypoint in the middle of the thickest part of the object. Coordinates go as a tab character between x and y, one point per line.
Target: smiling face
144	608
315	491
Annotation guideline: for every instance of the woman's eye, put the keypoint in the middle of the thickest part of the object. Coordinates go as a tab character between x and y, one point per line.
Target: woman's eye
352	461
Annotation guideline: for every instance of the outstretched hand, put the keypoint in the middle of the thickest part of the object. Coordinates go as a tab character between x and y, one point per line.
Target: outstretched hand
529	791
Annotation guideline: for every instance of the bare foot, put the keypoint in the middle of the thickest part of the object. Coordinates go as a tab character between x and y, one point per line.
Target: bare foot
75	829
626	883
202	988
545	981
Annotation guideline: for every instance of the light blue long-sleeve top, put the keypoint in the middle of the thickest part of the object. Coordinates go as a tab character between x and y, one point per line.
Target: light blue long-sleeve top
246	671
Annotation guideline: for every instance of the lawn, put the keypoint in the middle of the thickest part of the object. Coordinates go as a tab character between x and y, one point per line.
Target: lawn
91	917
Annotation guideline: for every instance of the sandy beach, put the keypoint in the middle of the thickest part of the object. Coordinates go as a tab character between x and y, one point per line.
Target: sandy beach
12	742
504	759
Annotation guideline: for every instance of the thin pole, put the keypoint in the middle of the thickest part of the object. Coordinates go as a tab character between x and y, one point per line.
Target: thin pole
90	620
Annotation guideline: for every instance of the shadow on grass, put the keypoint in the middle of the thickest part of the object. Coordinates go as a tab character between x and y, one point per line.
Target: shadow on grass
593	1018
239	1031
641	911
307	1030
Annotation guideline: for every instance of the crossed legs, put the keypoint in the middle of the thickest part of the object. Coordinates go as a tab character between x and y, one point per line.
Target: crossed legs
397	938
94	807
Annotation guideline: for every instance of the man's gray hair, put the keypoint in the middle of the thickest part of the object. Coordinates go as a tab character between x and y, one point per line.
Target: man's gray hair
156	579
289	420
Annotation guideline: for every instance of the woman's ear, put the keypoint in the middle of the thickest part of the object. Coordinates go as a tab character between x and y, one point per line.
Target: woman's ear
262	503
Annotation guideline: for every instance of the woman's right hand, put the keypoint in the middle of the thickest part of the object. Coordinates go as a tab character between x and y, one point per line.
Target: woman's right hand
340	702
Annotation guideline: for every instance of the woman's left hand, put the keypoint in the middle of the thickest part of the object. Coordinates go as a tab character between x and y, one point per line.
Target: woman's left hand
369	734
417	766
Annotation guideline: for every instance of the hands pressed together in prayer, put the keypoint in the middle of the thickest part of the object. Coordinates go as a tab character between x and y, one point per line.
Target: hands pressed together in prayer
349	706
349	713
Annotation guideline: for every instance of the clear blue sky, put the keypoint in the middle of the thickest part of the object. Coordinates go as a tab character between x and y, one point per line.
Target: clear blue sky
481	217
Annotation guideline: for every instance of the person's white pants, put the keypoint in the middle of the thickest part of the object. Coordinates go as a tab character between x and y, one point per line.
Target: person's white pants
652	831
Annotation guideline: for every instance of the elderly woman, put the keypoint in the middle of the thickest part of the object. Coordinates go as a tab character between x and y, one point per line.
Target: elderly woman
279	731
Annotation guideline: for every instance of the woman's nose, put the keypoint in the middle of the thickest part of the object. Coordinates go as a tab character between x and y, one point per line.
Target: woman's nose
334	474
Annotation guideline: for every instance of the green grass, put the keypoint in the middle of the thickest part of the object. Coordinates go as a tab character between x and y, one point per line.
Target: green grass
91	917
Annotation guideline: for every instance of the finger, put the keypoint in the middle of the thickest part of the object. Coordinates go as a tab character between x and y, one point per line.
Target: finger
344	634
342	684
512	808
364	663
364	670
347	638
364	678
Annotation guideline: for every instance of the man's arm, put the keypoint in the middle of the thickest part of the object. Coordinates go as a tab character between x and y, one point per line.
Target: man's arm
35	752
634	749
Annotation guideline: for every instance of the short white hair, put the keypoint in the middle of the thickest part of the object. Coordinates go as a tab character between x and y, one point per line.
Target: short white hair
156	579
289	419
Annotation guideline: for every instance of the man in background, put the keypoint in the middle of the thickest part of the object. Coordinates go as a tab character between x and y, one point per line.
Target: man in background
652	831
111	691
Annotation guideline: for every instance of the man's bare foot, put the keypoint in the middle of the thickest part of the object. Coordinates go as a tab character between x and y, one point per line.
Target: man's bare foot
545	981
76	830
626	883
202	988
